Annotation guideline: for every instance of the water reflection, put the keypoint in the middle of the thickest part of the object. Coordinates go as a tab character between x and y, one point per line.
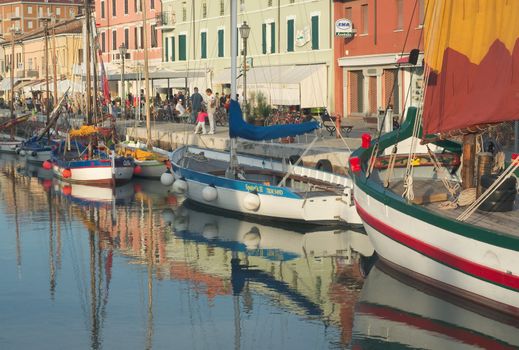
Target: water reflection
396	311
134	268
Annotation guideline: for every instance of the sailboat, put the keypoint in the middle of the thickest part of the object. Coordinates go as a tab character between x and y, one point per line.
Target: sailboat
471	55
85	156
256	186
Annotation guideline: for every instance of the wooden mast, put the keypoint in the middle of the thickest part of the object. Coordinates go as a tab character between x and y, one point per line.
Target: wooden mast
87	64
146	75
54	64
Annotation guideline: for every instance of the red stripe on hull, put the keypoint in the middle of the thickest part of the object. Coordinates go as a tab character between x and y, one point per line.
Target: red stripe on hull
466	266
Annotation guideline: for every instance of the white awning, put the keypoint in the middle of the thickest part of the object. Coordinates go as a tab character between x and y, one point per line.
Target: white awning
5	84
304	85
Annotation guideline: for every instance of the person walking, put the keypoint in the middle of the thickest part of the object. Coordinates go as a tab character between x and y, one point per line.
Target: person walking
211	109
202	114
196	104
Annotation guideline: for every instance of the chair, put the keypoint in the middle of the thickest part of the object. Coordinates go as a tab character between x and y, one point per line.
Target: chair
329	123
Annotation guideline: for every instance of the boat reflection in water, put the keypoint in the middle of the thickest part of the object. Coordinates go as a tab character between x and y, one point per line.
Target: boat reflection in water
396	311
316	274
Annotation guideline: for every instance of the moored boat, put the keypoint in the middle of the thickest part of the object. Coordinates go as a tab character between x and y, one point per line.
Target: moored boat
473	253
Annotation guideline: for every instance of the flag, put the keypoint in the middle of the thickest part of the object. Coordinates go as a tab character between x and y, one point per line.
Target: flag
103	79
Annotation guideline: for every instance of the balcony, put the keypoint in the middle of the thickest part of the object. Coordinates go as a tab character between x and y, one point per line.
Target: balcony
166	20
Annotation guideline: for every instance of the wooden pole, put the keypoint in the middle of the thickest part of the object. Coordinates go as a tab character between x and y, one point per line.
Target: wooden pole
88	82
146	76
54	65
469	161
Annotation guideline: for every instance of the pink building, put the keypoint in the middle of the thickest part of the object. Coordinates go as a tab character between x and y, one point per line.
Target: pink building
120	21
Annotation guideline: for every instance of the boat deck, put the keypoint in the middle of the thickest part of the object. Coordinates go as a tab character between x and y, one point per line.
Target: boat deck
307	186
430	194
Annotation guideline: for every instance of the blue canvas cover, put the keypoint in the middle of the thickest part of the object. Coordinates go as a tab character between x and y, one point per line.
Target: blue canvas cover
239	128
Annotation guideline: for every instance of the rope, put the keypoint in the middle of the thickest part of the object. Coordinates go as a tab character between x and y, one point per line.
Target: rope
444	177
466	197
391	165
408	188
500	180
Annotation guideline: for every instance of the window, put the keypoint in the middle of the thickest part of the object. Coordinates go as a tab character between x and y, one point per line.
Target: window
264	38
269	3
220	43
141	37
154	36
204	10
399	14
103	42
364	19
421	11
58	11
182	47
222	8
29	24
125	7
203	45
184	14
135	38
292	1
29	10
290	35
135	6
272	37
114	8
166	50
29	64
347	13
173	48
114	40
152	4
79	55
48	11
40	11
17	12
315	32
126	37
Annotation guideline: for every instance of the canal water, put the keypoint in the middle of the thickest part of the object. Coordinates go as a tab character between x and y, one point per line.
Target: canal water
84	267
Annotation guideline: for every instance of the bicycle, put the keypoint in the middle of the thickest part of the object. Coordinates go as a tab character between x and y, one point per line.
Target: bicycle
220	117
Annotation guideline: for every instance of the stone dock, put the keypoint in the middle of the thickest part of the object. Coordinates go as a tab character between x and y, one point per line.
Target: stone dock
172	135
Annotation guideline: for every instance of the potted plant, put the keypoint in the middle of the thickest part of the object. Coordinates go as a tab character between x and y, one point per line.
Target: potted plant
260	110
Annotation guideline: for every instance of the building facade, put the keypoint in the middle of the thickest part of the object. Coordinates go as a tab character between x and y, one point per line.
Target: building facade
121	22
373	40
25	15
289	50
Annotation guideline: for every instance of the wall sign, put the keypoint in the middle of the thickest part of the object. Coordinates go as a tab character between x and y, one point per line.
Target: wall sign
344	27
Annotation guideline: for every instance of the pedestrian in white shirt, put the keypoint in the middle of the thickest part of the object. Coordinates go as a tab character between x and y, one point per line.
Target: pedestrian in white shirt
211	109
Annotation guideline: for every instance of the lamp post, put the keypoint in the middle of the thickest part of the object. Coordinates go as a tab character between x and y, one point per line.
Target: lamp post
244	33
122	51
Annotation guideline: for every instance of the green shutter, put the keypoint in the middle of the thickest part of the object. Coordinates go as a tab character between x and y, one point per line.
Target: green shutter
290	35
264	38
315	32
238	41
273	37
166	49
181	47
172	48
220	43
203	45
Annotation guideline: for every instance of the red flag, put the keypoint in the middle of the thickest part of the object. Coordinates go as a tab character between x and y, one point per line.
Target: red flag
104	79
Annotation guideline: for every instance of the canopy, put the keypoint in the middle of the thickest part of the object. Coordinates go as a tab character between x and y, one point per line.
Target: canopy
472	50
5	84
304	85
239	128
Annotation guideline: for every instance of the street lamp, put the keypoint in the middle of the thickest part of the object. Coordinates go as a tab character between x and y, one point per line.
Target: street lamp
122	51
244	33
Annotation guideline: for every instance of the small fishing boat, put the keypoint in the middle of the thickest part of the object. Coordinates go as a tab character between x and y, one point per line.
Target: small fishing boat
93	163
150	163
261	187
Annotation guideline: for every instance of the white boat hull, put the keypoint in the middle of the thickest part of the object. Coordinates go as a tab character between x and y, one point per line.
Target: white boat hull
480	271
275	202
95	175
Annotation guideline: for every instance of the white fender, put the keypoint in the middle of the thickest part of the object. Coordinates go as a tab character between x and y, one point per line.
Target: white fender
180	186
209	193
23	153
167	178
251	201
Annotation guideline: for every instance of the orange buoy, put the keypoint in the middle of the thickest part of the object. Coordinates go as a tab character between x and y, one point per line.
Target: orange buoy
67	190
137	170
66	173
47	165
